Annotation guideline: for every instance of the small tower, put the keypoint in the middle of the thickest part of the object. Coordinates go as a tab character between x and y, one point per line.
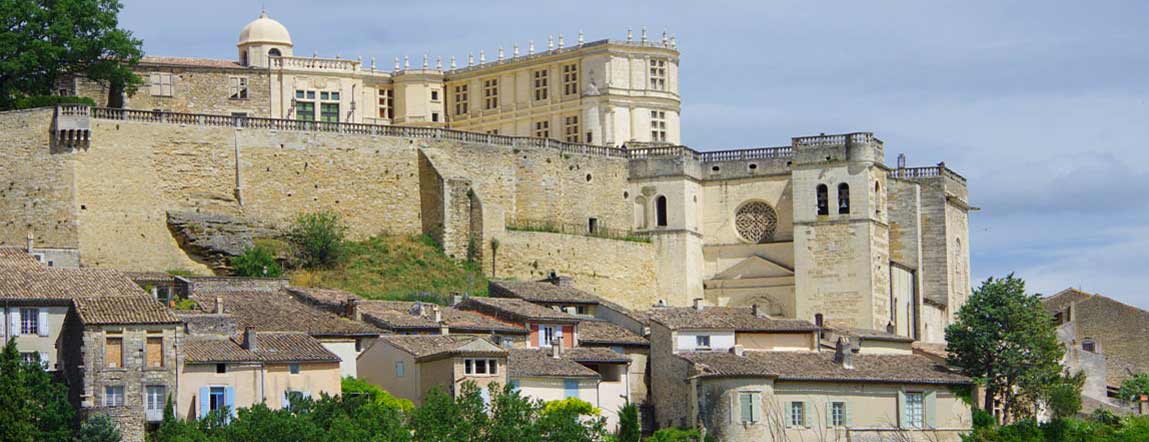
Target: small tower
263	39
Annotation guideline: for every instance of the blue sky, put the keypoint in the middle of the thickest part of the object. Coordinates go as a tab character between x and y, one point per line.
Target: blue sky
1042	105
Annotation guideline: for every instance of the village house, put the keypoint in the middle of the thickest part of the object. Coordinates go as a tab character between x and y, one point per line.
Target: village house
409	366
748	377
545	325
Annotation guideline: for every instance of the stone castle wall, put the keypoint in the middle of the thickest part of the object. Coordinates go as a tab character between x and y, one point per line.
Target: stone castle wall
37	187
205	91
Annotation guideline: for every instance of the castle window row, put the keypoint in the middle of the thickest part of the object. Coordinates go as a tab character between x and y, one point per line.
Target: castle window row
461	99
570	79
658	126
571	129
386	107
658	74
540	84
491	94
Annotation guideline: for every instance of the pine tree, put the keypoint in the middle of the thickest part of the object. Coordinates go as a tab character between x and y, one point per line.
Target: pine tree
33	407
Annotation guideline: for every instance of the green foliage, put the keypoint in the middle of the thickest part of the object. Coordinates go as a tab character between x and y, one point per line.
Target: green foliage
46	40
256	262
1109	429
1006	340
186	304
982	419
375	395
397	267
629	428
98	428
318	239
675	435
49	100
33	407
1134	387
573	420
1063	396
513	417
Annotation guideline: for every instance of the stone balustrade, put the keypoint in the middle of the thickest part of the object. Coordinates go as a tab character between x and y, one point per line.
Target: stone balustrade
315	64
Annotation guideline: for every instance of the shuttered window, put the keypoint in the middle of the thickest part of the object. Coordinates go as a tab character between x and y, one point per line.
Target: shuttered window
114	352
155	352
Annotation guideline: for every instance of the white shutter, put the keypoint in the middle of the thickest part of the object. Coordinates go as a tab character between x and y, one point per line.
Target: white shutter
42	322
809	412
3	323
44	360
15	322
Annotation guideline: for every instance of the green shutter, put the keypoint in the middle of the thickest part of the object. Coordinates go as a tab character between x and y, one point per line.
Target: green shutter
902	409
746	404
756	406
930	405
789	414
808	410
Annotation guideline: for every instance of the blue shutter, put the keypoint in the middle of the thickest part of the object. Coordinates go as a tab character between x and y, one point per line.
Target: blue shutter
204	402
229	399
571	388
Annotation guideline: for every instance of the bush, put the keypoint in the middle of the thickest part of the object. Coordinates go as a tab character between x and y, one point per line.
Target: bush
675	435
50	100
318	239
629	428
256	262
376	395
98	428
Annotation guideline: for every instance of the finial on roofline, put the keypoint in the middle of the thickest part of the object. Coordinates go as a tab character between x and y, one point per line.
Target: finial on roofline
550	42
629	35
644	35
453	65
406	62
562	41
580	40
439	63
531	47
515	51
470	59
396	63
425	56
500	53
482	56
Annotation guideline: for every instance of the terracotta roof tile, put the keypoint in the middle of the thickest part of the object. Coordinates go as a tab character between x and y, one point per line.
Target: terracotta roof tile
191	62
516	310
820	366
606	333
424	347
594	355
49	283
540	292
18	258
403	315
534	362
736	318
270	347
279	311
328	298
123	310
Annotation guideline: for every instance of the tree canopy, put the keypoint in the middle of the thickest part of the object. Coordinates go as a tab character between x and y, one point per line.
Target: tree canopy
32	406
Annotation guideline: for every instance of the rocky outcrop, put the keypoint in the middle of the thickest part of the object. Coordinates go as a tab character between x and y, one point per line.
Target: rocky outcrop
212	238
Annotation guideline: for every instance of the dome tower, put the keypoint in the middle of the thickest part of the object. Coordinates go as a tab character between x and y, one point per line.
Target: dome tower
261	39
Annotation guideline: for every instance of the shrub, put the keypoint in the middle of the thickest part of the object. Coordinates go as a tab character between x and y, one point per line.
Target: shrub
257	262
675	435
50	100
318	239
98	428
629	429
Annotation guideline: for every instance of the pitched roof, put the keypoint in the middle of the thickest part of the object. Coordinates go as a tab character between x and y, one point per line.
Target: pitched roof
404	315
191	62
540	292
517	310
1059	300
536	362
736	318
868	334
430	347
590	355
270	347
820	366
123	310
329	298
281	312
17	257
60	284
606	333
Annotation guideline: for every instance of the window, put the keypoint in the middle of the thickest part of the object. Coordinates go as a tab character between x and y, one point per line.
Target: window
492	132
486	367
160	84
400	369
702	342
155	397
293	397
293	368
658	126
434	95
114	396
29	321
491	94
385	108
238	88
591	228
542	129
837	414
329	112
540	82
274	52
570	79
658	75
570	388
547	335
750	405
461	99
843	199
1089	345
305	105
434	117
29	357
914	411
220	368
217	398
114	352
571	129
660	211
797	414
823	200
155	352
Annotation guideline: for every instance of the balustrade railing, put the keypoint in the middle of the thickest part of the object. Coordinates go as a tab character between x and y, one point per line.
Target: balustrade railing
911	173
315	64
760	153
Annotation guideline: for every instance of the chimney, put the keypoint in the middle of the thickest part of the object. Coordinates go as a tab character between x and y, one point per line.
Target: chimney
438	314
417	310
557	348
758	312
249	339
1143	405
843	354
456	299
351	310
738	350
31	241
219	304
698	304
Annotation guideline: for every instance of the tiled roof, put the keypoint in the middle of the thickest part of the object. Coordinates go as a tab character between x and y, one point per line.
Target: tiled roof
431	346
736	318
867	334
1059	300
605	333
49	283
146	277
540	292
402	315
594	355
328	298
270	347
18	258
516	310
535	362
192	62
935	350
278	311
123	310
820	366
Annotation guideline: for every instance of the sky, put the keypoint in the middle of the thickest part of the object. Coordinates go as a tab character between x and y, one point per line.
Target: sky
1040	104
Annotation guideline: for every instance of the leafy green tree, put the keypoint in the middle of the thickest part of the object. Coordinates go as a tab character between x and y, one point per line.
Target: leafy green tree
675	435
357	418
572	420
513	417
260	423
1005	340
1063	396
44	41
436	418
372	393
629	429
98	428
1134	387
33	407
256	262
318	239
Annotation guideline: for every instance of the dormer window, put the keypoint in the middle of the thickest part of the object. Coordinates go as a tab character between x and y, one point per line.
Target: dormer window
843	199
702	342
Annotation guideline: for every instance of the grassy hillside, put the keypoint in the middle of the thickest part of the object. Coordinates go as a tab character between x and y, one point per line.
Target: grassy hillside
397	267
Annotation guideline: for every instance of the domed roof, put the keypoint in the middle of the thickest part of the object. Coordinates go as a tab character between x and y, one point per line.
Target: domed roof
264	30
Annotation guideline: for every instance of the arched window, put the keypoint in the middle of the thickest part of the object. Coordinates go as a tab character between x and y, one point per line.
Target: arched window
660	211
843	198
274	52
823	200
